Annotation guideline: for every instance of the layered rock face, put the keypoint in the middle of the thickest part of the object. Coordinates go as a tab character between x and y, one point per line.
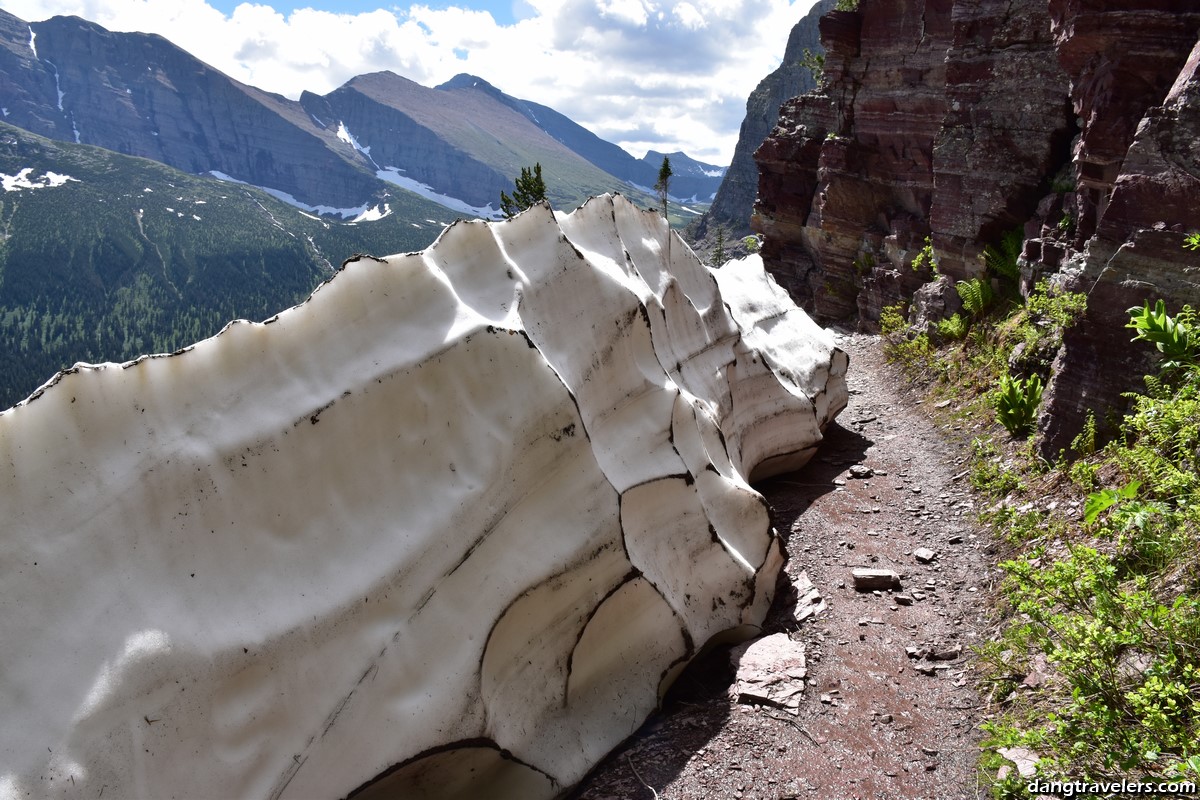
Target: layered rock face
447	529
938	119
1135	86
961	120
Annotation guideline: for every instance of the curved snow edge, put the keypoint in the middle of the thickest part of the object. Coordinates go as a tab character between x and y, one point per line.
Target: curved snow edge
473	506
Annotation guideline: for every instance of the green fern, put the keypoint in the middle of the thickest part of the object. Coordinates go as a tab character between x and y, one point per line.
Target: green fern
976	295
926	257
1002	261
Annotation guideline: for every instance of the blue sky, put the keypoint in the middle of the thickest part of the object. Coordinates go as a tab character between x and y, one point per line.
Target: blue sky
663	75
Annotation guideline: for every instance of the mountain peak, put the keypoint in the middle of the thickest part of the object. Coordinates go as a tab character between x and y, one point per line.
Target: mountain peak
382	77
683	164
465	81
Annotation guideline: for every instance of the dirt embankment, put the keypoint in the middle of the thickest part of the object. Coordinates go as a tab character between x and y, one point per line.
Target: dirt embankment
888	710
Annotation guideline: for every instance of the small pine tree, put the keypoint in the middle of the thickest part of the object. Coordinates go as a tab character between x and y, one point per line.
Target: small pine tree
530	190
663	186
719	258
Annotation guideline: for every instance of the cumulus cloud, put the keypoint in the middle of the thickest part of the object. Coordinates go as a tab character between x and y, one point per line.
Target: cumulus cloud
648	74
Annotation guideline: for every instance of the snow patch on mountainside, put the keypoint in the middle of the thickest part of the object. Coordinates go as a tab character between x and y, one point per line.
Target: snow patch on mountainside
344	213
392	175
374	213
346	136
14	183
677	200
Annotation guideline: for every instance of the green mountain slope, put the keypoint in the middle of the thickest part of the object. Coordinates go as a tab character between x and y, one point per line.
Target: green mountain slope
127	256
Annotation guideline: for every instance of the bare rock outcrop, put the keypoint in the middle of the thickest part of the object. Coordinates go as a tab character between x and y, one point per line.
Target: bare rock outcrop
1135	84
446	529
939	119
960	120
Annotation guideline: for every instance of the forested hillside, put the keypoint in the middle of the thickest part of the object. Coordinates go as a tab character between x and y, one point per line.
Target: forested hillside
104	257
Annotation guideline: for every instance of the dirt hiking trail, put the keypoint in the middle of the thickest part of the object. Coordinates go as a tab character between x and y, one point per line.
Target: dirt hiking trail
887	710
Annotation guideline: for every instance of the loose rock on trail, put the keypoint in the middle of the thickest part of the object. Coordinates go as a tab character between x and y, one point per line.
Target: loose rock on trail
888	708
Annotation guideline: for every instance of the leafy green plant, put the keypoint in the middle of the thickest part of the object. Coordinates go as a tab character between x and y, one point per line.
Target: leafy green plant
1127	662
1061	309
1192	242
752	244
1164	429
1016	401
815	64
1099	502
846	5
864	264
1188	770
1002	259
1175	337
891	319
991	473
1084	444
953	328
976	295
1103	597
926	258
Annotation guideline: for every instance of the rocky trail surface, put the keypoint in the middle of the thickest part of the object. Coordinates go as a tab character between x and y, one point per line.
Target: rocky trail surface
887	707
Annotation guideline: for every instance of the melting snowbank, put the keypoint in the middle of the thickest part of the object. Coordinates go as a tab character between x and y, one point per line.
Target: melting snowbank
471	508
15	183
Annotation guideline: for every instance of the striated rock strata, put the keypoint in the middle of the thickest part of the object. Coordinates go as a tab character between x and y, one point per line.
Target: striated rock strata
961	120
938	119
1135	84
447	529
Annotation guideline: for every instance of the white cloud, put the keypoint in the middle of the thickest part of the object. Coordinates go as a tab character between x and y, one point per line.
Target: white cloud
689	17
635	12
662	74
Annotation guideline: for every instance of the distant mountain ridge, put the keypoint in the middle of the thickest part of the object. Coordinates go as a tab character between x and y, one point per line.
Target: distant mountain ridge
146	198
643	172
460	143
105	257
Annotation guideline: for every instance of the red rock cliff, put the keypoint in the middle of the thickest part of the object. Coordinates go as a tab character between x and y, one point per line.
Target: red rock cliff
961	120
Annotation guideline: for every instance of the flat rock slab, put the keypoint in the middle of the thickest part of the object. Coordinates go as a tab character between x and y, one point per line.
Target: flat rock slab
770	671
868	579
924	555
